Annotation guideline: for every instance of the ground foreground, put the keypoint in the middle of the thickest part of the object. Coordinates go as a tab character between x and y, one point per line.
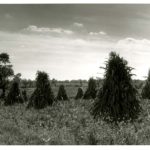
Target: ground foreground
68	123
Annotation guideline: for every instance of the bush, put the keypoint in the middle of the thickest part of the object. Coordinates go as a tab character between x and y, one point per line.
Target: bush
117	100
79	93
14	95
91	90
146	89
43	95
62	95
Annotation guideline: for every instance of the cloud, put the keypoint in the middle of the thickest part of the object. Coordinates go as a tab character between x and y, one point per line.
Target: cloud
98	33
76	24
137	53
134	45
32	52
8	16
33	28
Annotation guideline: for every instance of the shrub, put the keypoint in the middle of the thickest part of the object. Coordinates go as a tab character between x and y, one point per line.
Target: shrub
91	90
79	93
43	95
14	95
117	100
146	89
62	95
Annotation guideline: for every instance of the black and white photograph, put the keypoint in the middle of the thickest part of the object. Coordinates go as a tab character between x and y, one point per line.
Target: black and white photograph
74	74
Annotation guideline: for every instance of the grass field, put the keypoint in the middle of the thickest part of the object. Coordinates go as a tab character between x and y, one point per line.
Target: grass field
68	123
71	91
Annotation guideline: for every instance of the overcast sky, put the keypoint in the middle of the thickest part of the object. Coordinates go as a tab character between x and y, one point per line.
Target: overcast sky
73	41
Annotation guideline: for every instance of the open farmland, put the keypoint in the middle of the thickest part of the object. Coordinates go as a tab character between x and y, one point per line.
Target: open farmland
73	74
69	122
71	90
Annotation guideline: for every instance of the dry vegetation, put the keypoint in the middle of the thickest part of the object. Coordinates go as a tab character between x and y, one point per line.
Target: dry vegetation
69	122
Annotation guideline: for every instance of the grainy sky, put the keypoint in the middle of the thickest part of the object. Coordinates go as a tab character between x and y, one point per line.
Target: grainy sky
73	41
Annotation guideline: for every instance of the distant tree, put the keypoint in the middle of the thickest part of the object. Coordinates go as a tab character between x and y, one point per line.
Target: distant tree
117	99
79	93
14	94
31	83
62	95
27	83
66	81
6	71
24	83
81	84
146	89
43	95
91	90
54	81
138	84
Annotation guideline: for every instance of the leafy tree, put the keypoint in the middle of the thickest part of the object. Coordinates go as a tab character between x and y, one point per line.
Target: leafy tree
43	95
79	93
91	90
146	89
62	95
117	99
6	71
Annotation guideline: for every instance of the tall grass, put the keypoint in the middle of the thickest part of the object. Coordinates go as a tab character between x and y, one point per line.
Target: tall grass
69	123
